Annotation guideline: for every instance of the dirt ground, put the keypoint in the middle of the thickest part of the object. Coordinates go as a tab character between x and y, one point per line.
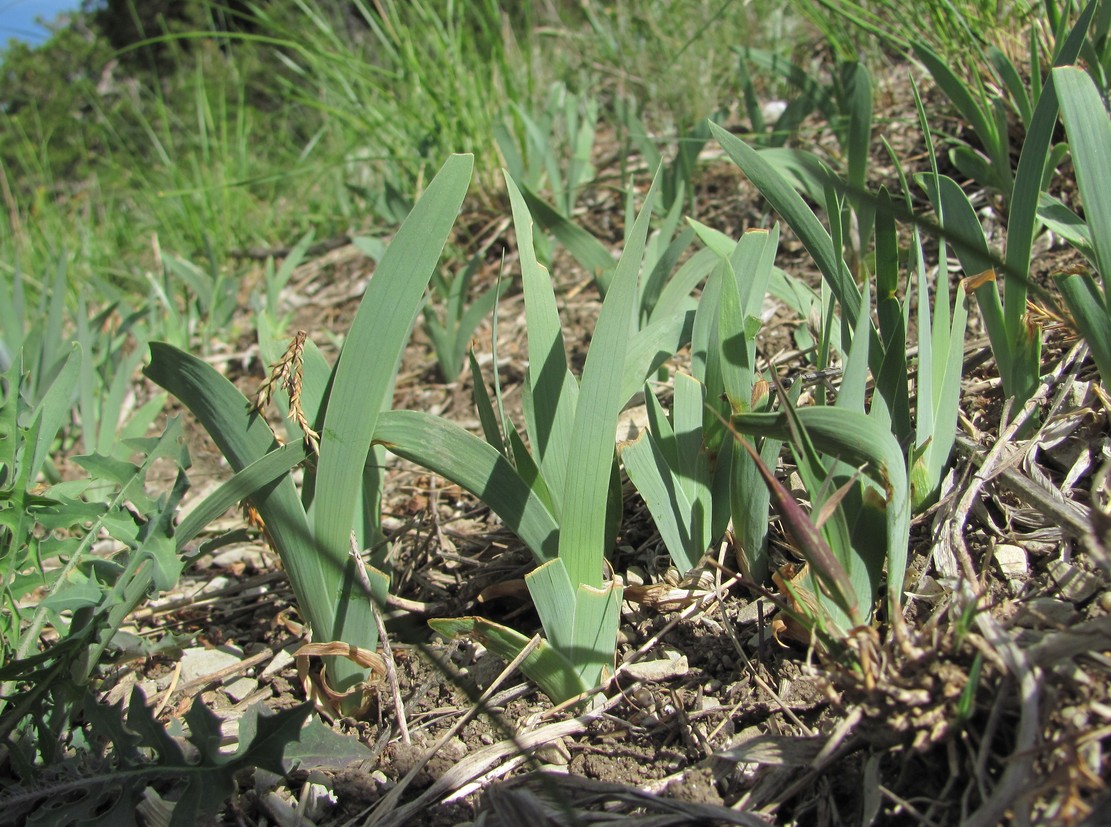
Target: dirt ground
985	715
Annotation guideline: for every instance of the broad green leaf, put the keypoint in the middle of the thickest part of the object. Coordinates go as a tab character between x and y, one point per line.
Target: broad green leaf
671	509
54	408
716	241
653	345
749	501
243	439
858	440
1059	219
688	410
744	283
580	622
587	250
242	485
660	427
891	382
1088	308
583	528
660	264
554	596
552	390
854	378
318	745
807	538
72	596
545	666
965	235
1089	131
362	381
973	110
794	210
447	449
858	146
1013	82
676	296
486	416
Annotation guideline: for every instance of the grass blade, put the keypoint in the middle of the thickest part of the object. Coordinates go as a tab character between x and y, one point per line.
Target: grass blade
552	390
1089	131
582	538
445	448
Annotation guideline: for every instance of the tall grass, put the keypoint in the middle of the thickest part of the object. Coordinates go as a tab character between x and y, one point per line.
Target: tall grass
957	29
320	120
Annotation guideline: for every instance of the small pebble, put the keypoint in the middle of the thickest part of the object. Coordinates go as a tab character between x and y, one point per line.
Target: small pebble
555	753
281	660
1011	560
199	662
216	584
658	670
239	689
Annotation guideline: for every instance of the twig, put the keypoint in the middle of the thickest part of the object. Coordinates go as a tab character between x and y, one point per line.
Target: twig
833	749
1070	516
950	554
759	681
391	675
169	690
197	684
415	607
1016	778
386	807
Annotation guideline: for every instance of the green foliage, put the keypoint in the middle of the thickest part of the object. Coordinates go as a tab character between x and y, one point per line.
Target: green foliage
1084	113
98	591
316	530
864	509
553	152
128	753
691	478
673	471
674	59
48	140
857	508
957	29
557	493
355	101
393	81
47	539
452	328
1015	343
45	380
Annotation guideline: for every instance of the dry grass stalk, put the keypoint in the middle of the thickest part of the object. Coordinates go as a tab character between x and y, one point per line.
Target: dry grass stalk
286	373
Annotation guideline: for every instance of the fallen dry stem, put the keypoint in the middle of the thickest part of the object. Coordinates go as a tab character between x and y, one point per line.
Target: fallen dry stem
1071	516
950	554
388	803
391	676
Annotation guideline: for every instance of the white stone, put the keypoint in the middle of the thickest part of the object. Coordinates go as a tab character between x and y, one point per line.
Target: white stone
240	689
1012	561
658	670
281	660
200	662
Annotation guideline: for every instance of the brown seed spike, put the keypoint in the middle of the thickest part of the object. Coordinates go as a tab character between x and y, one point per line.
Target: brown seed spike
287	373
